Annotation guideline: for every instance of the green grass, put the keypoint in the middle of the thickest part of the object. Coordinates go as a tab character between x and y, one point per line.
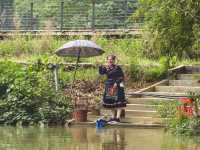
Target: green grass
81	74
31	49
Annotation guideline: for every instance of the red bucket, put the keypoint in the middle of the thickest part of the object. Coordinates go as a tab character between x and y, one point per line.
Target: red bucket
186	107
80	115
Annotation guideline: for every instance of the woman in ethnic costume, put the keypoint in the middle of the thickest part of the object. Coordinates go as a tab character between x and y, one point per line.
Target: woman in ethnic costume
114	96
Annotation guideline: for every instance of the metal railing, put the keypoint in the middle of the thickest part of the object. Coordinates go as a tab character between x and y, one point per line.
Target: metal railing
68	15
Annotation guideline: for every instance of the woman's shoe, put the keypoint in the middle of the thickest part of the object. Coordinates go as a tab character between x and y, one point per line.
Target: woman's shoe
117	119
111	119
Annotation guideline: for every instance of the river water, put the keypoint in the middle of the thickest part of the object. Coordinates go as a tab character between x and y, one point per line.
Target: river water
89	138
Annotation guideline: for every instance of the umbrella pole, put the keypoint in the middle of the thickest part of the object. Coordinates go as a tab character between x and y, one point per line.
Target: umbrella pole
78	58
77	61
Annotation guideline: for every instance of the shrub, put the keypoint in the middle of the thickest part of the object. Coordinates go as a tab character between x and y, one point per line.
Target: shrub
29	96
171	28
176	121
135	71
150	73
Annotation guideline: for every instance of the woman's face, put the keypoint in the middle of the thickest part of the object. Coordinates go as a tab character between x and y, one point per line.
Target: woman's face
110	60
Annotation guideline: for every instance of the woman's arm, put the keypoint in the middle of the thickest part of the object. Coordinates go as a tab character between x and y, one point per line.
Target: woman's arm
102	70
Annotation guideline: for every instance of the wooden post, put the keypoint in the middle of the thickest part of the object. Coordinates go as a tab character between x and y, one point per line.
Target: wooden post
195	108
31	16
61	15
56	76
93	15
125	13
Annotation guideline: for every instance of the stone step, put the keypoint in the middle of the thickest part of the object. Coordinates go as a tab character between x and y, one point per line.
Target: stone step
137	125
142	120
192	69
180	89
134	119
184	82
129	114
143	113
195	76
140	107
146	100
166	95
121	124
94	117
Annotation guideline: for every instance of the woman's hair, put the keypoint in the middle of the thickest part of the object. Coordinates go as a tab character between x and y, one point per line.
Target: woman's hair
112	56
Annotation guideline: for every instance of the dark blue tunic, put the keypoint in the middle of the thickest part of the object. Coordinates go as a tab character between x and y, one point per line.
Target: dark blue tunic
113	98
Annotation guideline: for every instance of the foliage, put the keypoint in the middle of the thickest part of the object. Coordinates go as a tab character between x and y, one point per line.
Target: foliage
149	73
195	96
176	121
167	109
172	27
29	96
31	49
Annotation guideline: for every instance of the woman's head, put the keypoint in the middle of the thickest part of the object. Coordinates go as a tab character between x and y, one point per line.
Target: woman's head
111	59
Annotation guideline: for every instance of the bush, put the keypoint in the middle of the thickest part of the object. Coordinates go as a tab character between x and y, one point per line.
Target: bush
171	28
29	96
135	71
176	121
150	73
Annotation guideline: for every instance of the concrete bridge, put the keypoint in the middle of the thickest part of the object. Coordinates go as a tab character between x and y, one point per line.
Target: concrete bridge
109	33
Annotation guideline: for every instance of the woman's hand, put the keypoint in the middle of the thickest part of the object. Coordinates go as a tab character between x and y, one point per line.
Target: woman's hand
115	86
106	66
102	69
113	89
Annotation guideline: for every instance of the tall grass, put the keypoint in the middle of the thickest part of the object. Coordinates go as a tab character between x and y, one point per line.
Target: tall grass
30	48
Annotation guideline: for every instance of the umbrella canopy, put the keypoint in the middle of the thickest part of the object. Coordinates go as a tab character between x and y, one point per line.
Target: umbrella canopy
80	48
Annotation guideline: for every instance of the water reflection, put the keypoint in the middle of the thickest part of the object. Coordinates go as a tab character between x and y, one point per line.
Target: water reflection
117	141
87	138
79	135
180	142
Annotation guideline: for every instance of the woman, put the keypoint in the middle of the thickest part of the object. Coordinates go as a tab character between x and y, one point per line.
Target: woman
114	97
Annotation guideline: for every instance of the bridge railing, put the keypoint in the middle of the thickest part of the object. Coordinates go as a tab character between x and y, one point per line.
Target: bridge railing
68	15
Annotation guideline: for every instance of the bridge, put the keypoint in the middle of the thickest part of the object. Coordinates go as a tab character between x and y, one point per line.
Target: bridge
80	17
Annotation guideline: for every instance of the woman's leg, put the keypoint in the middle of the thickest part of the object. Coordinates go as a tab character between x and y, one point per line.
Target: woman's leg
113	113
119	111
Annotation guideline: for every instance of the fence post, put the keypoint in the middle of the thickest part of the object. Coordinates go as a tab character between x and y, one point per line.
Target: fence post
31	15
2	7
1	12
125	13
93	15
61	15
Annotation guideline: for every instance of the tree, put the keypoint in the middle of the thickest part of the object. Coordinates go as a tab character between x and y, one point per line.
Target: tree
173	27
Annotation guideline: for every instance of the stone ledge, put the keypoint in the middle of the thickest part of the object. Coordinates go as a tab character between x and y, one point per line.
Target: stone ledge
121	124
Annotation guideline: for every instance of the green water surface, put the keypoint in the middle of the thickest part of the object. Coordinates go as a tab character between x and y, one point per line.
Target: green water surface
89	138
